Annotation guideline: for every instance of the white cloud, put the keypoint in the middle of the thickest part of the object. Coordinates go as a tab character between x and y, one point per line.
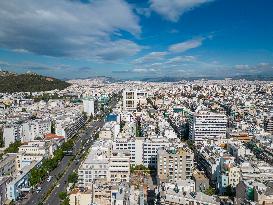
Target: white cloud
186	45
242	66
69	28
153	56
180	59
173	9
144	11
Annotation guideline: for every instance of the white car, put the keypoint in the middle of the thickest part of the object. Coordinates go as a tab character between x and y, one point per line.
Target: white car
49	179
38	189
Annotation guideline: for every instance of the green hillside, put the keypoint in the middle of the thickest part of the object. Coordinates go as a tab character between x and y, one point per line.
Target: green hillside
28	82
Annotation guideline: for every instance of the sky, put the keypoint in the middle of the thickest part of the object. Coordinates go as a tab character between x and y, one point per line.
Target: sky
135	39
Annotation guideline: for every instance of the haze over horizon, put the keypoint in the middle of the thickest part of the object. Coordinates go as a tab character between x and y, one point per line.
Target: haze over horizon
136	38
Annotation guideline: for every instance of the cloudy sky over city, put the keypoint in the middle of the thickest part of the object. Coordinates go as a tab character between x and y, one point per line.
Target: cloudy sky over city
137	39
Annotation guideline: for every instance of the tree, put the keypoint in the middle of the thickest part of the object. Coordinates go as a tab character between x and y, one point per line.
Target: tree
229	191
1	139
62	195
13	147
73	178
65	202
210	191
53	129
34	177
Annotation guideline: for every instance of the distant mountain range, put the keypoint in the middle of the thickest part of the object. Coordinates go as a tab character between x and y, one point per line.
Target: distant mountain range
106	79
177	79
102	78
28	82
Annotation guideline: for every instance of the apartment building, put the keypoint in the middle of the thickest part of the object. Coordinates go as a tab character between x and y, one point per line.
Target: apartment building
174	164
8	164
133	98
89	104
269	124
207	126
35	129
4	181
208	159
104	164
119	166
21	182
110	130
178	196
12	133
67	126
33	151
229	174
142	151
95	167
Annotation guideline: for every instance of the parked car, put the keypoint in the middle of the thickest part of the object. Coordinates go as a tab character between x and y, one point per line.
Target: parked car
49	179
38	189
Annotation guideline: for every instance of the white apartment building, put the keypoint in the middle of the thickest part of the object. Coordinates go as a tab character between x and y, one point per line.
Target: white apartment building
12	133
104	164
95	167
35	129
142	151
28	131
89	106
69	125
131	99
207	126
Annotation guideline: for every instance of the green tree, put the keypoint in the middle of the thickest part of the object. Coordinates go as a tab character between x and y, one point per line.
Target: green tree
13	147
34	177
62	195
210	191
229	191
53	129
73	178
65	202
1	139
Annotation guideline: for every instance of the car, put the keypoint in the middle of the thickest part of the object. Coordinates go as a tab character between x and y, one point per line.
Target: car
58	185
38	189
49	179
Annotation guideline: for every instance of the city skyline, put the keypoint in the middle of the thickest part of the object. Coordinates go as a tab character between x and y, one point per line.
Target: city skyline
137	39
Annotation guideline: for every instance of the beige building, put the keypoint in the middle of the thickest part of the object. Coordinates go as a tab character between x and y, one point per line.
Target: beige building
174	164
119	166
97	195
133	98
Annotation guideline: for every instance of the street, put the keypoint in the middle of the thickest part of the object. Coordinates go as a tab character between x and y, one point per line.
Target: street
64	166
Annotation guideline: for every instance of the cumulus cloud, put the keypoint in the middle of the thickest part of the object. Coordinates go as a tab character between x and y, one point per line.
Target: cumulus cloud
173	9
69	28
186	45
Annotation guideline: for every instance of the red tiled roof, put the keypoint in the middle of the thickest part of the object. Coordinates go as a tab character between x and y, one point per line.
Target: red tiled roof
52	136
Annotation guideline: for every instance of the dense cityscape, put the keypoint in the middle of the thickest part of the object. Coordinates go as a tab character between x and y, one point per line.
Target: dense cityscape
96	142
136	102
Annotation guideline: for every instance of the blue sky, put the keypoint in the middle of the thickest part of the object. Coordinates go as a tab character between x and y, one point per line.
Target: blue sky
136	38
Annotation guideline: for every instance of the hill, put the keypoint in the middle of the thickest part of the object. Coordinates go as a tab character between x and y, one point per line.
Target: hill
28	82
